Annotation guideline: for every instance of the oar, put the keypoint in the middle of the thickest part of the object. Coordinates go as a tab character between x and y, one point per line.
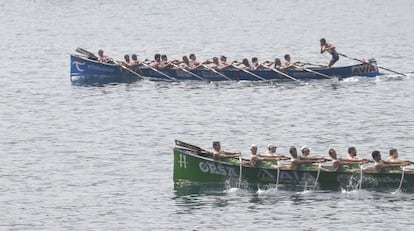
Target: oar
189	72
278	173
241	169
189	146
362	61
317	176
222	75
87	53
281	73
133	72
250	73
159	72
360	176
402	179
315	72
313	64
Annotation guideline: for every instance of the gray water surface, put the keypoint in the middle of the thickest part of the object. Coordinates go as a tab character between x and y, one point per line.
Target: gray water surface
100	158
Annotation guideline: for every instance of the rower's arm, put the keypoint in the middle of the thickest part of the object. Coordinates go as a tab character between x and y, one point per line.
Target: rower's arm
392	165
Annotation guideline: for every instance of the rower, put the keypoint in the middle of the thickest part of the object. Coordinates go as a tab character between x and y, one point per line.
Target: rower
193	62
393	157
164	62
255	63
271	150
352	153
103	58
218	154
353	162
339	164
126	61
305	151
254	157
278	65
185	64
305	156
223	62
134	60
330	48
336	163
289	63
157	61
246	64
266	160
297	162
383	166
215	63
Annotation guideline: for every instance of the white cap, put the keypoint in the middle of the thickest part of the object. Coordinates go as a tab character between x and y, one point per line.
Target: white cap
253	146
271	146
304	147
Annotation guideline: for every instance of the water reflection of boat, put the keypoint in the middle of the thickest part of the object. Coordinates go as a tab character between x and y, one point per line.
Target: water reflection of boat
194	164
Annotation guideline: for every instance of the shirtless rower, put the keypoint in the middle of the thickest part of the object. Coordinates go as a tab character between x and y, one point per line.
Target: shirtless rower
296	161
193	63
393	157
264	161
134	60
353	162
306	156
103	58
218	154
383	166
277	64
164	62
127	61
246	64
271	150
223	62
288	62
338	163
157	61
255	64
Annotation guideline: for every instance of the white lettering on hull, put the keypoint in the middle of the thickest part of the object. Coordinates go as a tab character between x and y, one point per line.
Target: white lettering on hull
217	169
183	161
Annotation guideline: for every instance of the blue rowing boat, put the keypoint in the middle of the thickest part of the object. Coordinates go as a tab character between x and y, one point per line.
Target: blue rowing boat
88	71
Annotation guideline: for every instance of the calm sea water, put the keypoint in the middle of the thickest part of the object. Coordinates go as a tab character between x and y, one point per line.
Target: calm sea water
100	158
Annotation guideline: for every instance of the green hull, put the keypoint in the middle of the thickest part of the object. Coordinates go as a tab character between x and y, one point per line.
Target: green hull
190	166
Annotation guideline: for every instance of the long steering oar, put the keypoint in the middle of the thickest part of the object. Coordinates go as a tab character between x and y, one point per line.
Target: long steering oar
222	75
362	61
281	73
250	73
315	72
190	146
159	72
189	72
88	54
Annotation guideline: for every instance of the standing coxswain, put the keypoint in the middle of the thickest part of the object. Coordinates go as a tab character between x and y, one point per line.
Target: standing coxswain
331	49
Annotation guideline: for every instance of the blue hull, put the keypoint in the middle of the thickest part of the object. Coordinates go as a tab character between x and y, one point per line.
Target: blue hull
90	72
85	71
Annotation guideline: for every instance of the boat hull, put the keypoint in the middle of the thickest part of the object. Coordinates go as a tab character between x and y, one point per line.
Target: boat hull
85	70
91	72
189	166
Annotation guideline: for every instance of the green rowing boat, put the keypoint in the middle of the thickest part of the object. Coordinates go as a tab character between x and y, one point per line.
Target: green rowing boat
194	164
